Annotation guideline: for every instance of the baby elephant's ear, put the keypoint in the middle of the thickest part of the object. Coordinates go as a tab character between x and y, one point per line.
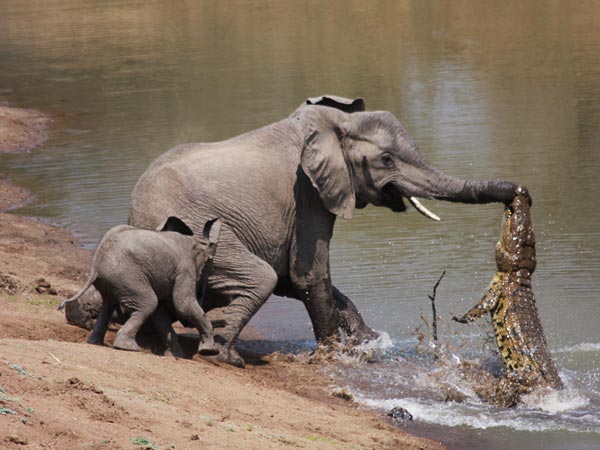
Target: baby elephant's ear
348	105
175	224
212	231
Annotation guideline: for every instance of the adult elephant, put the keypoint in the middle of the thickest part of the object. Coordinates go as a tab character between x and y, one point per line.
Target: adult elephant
279	190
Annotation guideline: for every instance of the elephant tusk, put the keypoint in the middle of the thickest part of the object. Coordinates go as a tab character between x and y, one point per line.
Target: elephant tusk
419	207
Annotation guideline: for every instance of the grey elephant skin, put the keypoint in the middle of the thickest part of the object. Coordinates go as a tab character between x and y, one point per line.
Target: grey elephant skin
153	275
279	190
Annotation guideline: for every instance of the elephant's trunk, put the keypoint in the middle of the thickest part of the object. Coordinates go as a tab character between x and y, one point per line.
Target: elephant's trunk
470	191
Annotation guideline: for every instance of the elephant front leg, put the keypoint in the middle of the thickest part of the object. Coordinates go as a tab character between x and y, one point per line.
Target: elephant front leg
321	308
311	276
188	309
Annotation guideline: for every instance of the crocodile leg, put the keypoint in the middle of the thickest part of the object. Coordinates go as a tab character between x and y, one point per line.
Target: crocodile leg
488	302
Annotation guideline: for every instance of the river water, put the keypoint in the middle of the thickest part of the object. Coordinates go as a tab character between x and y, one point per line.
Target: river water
487	89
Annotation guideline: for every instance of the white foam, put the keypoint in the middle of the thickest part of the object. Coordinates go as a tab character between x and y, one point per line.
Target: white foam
366	351
382	343
480	416
555	402
582	347
447	414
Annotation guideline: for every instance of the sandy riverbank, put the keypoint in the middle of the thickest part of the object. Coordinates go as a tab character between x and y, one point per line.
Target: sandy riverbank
58	392
21	129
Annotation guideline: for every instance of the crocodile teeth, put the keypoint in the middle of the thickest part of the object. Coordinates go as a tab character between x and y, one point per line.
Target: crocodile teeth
419	207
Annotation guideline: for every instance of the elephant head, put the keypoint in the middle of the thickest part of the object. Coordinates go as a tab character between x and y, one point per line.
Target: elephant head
357	158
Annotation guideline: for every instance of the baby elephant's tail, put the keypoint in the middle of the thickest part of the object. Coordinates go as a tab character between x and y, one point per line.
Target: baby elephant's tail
85	287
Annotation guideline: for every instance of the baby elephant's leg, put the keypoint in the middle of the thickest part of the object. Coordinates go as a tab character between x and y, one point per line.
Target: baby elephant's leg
101	325
141	306
162	322
187	308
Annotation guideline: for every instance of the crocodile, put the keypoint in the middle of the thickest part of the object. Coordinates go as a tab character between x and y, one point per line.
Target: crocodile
510	300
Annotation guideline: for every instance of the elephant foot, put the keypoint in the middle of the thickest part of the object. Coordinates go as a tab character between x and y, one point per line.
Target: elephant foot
123	343
94	340
208	348
173	352
209	351
227	353
231	357
173	348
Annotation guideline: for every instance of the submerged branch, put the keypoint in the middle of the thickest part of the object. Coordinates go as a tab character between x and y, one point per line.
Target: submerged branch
432	298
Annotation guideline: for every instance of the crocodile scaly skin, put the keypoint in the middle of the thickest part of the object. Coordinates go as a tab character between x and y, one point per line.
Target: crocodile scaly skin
510	300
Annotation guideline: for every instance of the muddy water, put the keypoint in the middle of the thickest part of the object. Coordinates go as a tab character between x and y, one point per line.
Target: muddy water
488	89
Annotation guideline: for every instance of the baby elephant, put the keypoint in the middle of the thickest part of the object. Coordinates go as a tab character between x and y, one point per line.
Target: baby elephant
150	273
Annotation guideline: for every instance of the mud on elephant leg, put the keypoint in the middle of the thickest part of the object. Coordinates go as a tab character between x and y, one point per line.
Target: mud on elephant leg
350	319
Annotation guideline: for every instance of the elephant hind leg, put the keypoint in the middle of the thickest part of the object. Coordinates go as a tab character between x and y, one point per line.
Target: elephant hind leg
101	325
162	323
141	306
246	282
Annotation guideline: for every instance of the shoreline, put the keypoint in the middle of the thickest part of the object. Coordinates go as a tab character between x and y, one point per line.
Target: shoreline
11	195
59	391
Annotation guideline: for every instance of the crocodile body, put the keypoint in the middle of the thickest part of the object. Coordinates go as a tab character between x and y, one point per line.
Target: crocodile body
510	300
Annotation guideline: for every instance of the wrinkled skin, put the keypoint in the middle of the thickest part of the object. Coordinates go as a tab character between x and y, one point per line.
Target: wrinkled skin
149	275
510	301
279	190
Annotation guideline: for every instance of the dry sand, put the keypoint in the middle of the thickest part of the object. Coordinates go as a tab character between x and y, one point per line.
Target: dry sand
21	129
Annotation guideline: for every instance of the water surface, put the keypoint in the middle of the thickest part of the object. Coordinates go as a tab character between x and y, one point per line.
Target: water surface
487	89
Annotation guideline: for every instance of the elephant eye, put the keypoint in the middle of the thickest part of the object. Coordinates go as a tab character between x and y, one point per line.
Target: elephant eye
387	160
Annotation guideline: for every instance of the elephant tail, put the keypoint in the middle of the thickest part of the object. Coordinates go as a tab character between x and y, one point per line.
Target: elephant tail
85	287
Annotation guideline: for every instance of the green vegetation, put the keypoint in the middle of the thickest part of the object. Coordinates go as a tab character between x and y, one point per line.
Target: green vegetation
21	371
145	443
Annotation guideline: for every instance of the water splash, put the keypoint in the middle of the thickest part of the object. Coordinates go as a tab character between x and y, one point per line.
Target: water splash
582	347
555	402
431	384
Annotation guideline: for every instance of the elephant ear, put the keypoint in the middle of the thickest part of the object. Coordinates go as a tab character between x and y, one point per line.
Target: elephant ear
324	162
343	104
211	233
205	253
175	224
